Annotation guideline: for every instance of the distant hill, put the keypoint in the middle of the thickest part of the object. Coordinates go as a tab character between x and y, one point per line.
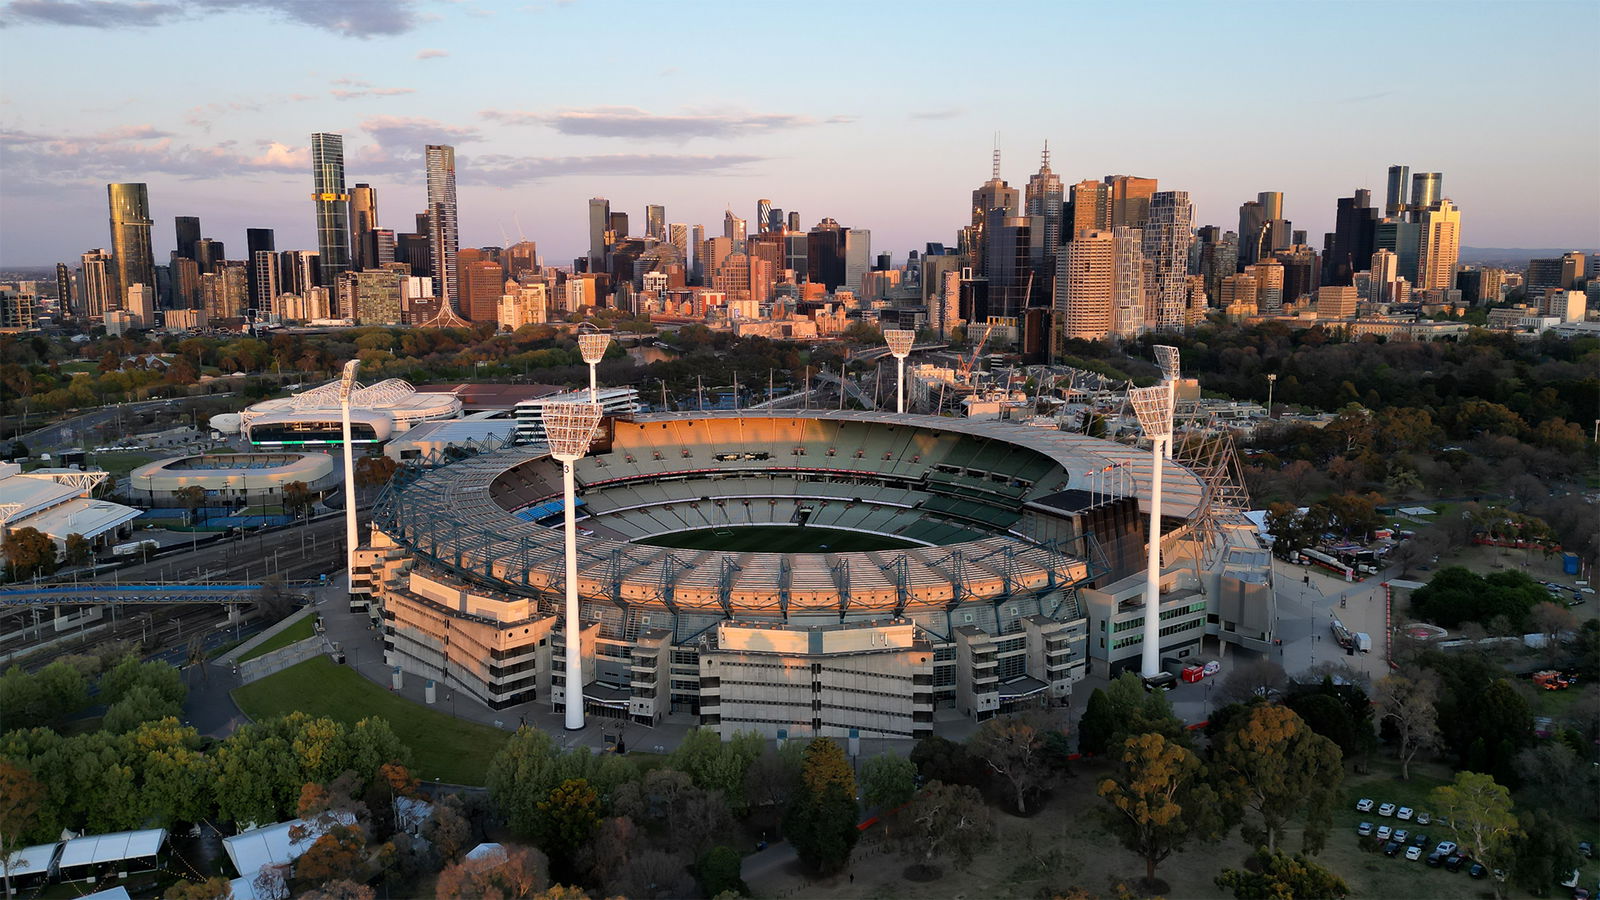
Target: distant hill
1511	256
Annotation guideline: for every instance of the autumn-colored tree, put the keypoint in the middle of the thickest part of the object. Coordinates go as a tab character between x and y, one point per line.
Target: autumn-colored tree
340	853
372	471
1407	700
1269	761
20	796
1157	800
447	829
79	550
214	888
1278	876
821	820
1480	817
1013	747
945	821
568	816
28	552
501	874
192	496
296	497
341	889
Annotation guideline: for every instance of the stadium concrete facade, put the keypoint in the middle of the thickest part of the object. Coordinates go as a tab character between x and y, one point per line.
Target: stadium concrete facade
1000	563
231	478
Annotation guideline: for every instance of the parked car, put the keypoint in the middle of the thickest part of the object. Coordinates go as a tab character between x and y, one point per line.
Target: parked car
1400	834
1364	829
1478	870
1424	818
1386	810
1453	862
1585	849
1405	814
1391	848
1572	880
1445	848
1413	853
1419	839
1364	804
1383	832
1580	894
1435	859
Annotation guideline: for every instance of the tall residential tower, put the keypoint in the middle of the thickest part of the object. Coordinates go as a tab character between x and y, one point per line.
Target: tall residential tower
332	205
130	240
443	237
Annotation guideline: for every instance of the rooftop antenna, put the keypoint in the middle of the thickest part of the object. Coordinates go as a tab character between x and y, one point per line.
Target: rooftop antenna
1046	154
995	175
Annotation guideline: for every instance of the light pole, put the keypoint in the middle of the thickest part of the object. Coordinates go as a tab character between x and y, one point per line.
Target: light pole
1153	406
346	385
900	341
569	427
1167	358
592	345
1272	380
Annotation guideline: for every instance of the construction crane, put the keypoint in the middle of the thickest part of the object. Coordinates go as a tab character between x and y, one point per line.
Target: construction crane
966	367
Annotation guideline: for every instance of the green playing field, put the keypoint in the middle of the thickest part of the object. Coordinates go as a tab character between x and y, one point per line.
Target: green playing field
777	539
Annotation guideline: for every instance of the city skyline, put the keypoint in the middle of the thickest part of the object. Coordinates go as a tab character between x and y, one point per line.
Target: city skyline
698	139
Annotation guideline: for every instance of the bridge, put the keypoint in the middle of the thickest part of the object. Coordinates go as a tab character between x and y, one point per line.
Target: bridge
153	594
880	352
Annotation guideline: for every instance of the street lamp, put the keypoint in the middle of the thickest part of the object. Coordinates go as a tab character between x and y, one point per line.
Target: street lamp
1271	380
900	341
592	345
346	386
569	427
1153	406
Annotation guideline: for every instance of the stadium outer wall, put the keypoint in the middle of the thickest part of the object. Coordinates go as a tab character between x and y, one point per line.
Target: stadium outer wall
1028	547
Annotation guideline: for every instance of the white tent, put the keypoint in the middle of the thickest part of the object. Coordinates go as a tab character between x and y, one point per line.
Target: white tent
272	845
95	849
33	860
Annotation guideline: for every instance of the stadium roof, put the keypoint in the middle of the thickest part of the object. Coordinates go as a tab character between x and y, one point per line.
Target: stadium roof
90	518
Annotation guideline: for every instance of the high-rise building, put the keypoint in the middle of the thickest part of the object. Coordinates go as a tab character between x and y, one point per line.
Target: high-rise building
209	255
1401	238
259	241
1240	295
734	228
825	254
332	204
298	271
443	236
1438	245
1252	219
1168	232
697	241
1045	197
1085	288
1395	200
1564	272
678	236
522	260
130	238
774	220
1427	188
483	282
1014	248
378	297
794	221
185	283
225	292
1336	301
599	224
140	303
1478	284
65	296
1271	204
1268	275
655	222
763	214
188	233
992	199
857	257
1302	271
1091	208
526	305
98	281
1219	256
1130	199
363	219
1354	237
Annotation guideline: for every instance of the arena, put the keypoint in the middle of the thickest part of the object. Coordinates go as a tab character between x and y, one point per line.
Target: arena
231	478
313	417
937	568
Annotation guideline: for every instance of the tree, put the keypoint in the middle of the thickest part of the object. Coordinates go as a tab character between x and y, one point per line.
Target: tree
1125	708
1157	801
140	705
1407	700
1272	763
20	796
372	471
1256	678
1554	622
668	804
129	673
1013	748
888	781
340	889
79	550
718	765
28	552
945	821
215	888
192	496
770	782
719	871
1480	817
296	497
821	820
1278	876
568	816
507	872
1544	853
649	875
339	853
941	759
447	829
1555	777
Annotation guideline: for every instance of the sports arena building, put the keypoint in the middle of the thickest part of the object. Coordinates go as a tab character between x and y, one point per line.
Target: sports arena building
951	568
231	478
312	418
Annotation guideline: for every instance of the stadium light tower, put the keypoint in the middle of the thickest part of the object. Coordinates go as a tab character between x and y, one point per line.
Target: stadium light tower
1153	406
569	427
346	387
593	344
1167	359
900	341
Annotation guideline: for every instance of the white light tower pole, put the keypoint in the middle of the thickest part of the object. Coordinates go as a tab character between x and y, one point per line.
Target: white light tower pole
569	427
593	344
900	341
346	387
1272	381
1153	406
1167	359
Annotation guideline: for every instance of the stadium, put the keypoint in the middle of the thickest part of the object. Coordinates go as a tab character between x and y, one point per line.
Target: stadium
312	418
806	572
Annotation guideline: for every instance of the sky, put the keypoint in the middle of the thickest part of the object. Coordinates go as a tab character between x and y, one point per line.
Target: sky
881	115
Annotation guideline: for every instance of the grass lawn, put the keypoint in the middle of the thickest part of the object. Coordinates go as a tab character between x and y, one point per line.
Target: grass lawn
299	631
120	463
777	539
442	747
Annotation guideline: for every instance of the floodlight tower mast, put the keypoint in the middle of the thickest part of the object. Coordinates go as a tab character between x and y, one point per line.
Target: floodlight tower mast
1167	359
1153	406
569	427
900	341
346	388
592	345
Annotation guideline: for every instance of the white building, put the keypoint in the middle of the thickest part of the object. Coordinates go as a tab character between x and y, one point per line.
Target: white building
614	401
59	502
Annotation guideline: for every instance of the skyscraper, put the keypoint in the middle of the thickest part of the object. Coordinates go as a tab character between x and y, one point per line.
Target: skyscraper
1252	218
130	239
64	294
1168	232
857	257
1394	202
1271	204
1044	199
763	214
99	283
678	236
1426	189
1355	231
697	240
1130	199
443	238
363	218
1438	246
655	222
1401	238
734	228
1084	288
259	245
794	220
599	224
332	205
824	254
188	228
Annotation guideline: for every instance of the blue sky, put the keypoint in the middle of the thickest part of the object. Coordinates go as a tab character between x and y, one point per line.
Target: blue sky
880	115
